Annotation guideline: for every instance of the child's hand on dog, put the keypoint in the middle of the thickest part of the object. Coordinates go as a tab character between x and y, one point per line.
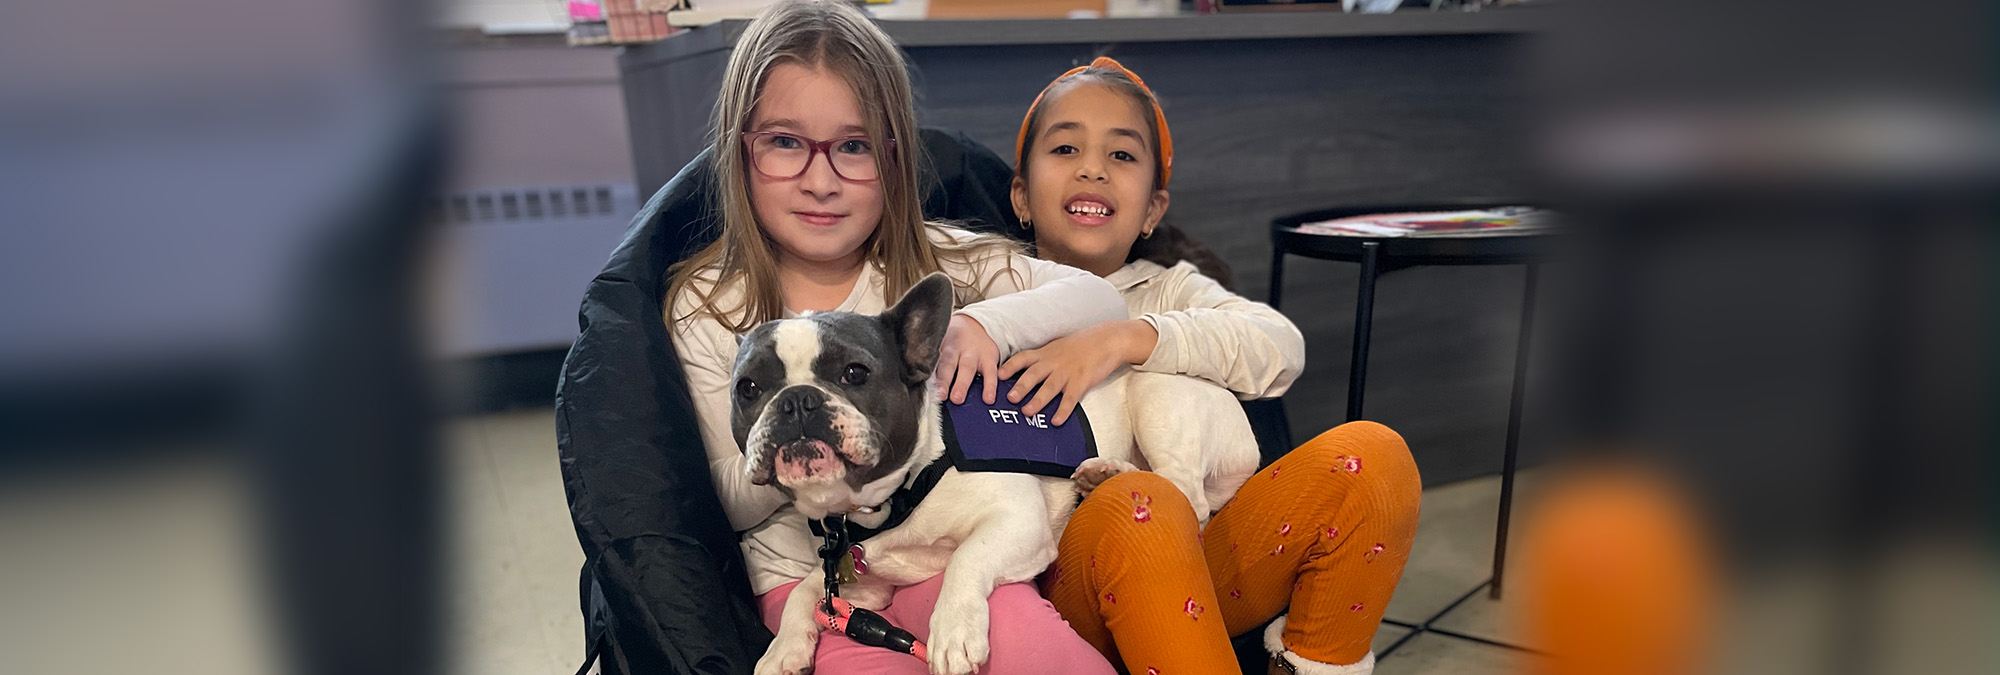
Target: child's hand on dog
967	351
1073	365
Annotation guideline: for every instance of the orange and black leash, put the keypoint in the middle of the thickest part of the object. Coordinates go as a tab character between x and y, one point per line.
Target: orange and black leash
835	614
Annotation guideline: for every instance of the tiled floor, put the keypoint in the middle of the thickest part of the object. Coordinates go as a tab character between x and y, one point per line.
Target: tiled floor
1453	557
146	566
515	556
160	557
517	562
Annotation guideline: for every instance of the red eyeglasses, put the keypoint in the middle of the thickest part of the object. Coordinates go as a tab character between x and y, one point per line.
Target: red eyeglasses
783	156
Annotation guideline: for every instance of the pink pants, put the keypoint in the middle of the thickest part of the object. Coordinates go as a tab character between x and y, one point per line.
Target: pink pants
1027	635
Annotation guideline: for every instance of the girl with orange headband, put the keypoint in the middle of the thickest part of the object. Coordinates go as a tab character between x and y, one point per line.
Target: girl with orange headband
1317	539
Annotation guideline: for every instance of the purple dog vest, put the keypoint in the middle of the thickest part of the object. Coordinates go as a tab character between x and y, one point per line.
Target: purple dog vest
999	437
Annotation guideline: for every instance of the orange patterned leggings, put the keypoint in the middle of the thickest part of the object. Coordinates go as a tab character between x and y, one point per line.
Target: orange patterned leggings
1323	531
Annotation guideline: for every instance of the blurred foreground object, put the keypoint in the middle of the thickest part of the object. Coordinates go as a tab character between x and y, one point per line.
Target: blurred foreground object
208	271
1783	292
1621	576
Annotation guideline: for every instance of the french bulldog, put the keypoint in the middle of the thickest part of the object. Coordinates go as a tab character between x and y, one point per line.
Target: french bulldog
836	410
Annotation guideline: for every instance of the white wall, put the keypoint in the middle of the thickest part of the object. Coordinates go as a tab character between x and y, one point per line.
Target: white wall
528	120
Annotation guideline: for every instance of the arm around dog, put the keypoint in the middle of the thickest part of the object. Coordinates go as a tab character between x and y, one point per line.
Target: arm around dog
708	352
1213	334
1028	301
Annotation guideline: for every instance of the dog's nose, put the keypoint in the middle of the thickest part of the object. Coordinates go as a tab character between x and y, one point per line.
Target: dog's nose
800	400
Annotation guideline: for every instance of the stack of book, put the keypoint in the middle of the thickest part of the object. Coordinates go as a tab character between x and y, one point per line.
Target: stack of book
614	22
1495	222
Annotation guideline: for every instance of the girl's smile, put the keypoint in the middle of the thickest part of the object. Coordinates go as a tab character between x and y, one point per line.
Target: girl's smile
1089	182
818	218
1089	209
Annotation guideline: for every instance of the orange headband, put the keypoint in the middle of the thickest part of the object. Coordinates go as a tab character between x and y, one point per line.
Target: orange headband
1159	118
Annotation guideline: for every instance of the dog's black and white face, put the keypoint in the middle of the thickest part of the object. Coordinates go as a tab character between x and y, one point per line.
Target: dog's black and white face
828	403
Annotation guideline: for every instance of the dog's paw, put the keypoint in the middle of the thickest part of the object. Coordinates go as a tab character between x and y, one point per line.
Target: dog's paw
790	654
958	644
1094	471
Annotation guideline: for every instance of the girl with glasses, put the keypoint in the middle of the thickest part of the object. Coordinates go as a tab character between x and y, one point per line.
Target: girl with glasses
815	161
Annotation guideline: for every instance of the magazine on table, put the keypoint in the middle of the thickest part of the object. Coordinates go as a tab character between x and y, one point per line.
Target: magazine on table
1495	222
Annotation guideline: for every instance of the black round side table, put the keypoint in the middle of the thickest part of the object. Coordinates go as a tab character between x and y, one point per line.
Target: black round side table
1379	255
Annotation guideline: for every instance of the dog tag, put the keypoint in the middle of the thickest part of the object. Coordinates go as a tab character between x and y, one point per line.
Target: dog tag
845	573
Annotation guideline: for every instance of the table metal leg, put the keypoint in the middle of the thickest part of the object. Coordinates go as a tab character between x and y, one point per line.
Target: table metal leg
1364	319
1513	430
1277	276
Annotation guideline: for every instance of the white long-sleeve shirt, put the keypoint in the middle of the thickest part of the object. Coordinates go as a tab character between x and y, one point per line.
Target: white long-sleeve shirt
1210	333
1024	303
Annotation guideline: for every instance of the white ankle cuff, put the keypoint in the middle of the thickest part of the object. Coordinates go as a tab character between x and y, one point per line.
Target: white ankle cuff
1274	643
1274	636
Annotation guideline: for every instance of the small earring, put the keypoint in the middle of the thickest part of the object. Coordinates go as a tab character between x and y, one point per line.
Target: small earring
1148	234
1027	224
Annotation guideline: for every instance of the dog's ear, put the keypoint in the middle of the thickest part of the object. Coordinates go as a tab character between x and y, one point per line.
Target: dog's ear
918	322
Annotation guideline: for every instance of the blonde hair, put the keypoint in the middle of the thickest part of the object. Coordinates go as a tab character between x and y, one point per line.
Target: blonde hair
832	37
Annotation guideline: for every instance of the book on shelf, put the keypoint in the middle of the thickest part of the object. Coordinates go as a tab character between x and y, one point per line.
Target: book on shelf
1495	222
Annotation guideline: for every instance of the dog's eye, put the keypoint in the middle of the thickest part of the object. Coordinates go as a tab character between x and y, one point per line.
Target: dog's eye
856	375
747	389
